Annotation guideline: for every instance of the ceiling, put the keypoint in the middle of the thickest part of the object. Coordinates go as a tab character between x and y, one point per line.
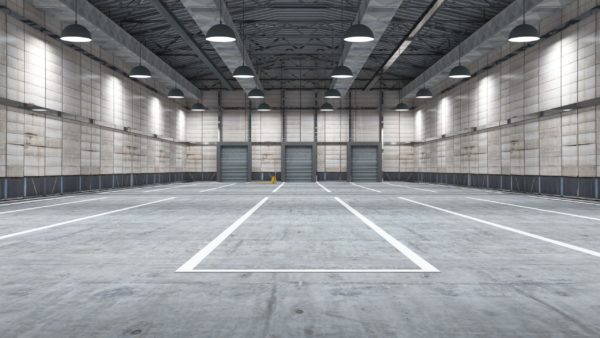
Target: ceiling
294	44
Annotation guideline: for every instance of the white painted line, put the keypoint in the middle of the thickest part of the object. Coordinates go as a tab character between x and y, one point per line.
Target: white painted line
322	186
279	187
407	187
565	200
418	260
223	186
309	271
503	227
49	206
80	219
210	247
35	200
121	190
537	209
360	186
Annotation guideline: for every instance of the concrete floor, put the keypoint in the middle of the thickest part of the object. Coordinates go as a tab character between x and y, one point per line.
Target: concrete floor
504	270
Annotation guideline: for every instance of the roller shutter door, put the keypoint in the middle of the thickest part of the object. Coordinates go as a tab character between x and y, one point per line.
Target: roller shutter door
234	164
364	164
298	164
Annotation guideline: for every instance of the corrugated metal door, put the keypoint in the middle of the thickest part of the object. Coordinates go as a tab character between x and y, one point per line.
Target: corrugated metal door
364	164
234	164
298	164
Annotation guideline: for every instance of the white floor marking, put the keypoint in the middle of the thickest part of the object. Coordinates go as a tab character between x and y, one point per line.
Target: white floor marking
35	200
322	186
418	260
223	186
278	187
210	247
80	219
50	205
360	186
309	271
404	186
564	200
503	227
120	190
537	209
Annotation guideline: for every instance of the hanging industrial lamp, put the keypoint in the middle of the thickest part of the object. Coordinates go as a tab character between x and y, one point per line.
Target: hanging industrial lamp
341	72
175	93
326	107
198	107
332	94
424	93
402	107
243	71
359	33
263	107
139	71
256	94
75	32
524	33
220	32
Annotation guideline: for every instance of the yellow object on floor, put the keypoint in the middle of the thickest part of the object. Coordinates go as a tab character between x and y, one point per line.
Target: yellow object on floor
273	179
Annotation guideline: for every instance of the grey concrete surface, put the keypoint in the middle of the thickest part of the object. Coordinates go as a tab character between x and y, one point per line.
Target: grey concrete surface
114	275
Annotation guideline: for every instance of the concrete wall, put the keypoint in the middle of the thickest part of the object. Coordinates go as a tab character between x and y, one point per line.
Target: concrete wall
501	103
40	70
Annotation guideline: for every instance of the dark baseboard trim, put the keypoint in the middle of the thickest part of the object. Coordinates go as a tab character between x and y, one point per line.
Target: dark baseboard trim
583	187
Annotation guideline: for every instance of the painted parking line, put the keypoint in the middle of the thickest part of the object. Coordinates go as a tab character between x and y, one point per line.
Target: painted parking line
278	187
50	206
537	209
416	259
81	219
407	187
360	186
564	200
503	227
212	245
35	200
322	186
190	185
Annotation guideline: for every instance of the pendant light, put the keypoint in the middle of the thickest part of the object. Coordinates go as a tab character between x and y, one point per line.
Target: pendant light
524	33
139	71
340	71
359	33
460	71
332	94
402	107
243	71
263	107
256	94
198	106
175	93
424	93
326	107
220	32
75	32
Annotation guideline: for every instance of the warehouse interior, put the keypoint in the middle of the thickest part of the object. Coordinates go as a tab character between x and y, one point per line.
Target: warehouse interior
299	168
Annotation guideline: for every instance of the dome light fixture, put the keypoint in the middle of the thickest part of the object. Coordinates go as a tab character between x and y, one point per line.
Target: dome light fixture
38	109
524	33
75	32
326	107
263	107
402	107
220	32
256	94
332	94
175	93
198	107
459	72
243	72
424	93
140	72
341	72
359	33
